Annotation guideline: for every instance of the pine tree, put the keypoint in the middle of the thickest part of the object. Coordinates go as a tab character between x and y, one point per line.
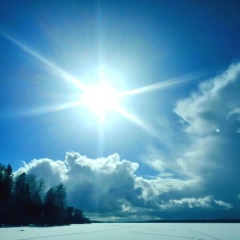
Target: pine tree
21	199
5	193
55	205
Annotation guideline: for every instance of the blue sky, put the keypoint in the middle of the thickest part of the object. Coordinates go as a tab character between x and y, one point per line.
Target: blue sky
171	148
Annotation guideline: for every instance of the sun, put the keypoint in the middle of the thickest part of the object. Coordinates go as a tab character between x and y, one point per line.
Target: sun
101	99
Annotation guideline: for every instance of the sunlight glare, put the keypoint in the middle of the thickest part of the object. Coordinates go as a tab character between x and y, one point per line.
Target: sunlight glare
101	98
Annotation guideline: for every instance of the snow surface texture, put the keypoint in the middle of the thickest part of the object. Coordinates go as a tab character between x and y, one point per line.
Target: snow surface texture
126	231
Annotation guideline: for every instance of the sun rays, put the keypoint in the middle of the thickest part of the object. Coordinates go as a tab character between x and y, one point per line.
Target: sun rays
163	84
100	98
57	70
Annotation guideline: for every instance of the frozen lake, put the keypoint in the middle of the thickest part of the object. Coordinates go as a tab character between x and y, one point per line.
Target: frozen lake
131	231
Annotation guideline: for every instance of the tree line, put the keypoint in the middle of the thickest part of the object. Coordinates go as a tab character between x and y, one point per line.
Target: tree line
24	201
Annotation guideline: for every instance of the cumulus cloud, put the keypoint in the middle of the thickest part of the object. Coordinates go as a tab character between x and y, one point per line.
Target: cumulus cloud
109	187
103	185
53	172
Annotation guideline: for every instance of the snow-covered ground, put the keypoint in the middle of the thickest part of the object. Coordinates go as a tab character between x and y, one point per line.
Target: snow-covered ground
126	231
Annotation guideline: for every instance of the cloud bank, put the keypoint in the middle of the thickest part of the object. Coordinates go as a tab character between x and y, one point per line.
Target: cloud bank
108	188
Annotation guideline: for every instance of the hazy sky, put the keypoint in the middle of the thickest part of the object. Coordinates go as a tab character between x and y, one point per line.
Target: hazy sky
164	143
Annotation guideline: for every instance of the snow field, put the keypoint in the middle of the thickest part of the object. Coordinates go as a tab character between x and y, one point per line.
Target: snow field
126	231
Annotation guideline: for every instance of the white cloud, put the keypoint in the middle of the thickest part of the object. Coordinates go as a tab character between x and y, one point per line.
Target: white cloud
152	188
199	203
207	109
51	171
212	121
